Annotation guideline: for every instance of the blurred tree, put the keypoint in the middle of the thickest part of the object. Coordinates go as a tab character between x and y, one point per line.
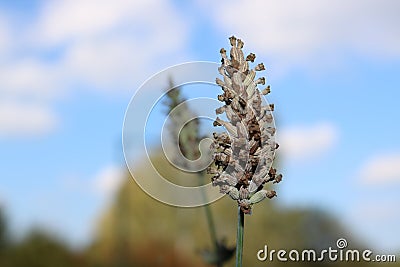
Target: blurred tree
3	231
39	249
138	229
4	238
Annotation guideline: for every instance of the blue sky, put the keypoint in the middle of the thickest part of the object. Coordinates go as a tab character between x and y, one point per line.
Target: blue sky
68	70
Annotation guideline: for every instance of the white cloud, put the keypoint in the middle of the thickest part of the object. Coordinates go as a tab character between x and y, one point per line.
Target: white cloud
108	180
382	169
104	183
5	38
104	45
88	18
118	64
307	142
112	45
23	120
29	78
310	31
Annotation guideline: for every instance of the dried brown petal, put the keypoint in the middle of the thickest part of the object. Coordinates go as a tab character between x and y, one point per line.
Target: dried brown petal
260	81
232	39
240	43
251	57
278	178
260	67
245	207
267	90
271	194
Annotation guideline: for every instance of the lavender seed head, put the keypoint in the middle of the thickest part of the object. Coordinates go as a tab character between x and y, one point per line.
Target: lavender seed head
243	155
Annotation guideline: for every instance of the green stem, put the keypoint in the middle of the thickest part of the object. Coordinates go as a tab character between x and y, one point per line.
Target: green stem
210	222
211	226
239	238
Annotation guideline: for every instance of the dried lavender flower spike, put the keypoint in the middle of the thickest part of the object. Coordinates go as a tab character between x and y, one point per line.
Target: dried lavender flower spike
243	155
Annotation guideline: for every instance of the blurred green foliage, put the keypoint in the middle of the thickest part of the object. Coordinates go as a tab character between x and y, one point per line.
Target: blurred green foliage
137	230
36	249
135	222
3	232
